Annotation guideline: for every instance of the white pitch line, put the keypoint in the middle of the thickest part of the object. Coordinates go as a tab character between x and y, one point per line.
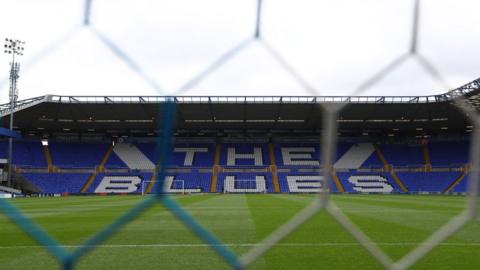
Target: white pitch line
346	244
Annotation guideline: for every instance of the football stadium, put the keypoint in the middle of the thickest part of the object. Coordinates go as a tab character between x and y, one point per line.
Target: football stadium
235	177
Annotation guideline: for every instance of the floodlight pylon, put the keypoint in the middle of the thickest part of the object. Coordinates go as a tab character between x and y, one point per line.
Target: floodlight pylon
13	47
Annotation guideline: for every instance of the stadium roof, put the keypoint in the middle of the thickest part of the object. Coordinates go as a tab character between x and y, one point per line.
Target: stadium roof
141	115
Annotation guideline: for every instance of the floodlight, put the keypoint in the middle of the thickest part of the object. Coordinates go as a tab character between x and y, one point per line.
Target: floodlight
12	47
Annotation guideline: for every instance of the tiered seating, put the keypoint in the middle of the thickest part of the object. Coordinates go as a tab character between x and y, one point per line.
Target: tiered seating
133	157
25	153
95	183
314	157
242	148
58	182
186	158
201	159
100	176
142	155
428	182
149	150
115	162
355	156
449	153
304	177
305	153
373	162
402	155
463	185
347	178
72	155
245	176
342	148
200	181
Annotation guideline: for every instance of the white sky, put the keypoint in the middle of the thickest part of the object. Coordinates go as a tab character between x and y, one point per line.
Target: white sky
335	45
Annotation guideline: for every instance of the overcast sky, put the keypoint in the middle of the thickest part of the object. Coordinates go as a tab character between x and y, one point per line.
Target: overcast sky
334	45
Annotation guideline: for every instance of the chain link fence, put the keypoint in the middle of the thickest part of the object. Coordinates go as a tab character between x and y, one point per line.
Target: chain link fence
68	259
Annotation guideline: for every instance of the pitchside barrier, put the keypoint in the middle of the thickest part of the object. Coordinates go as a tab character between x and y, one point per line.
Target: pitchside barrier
69	258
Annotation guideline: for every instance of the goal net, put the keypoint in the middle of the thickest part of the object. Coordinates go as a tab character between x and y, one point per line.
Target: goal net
233	185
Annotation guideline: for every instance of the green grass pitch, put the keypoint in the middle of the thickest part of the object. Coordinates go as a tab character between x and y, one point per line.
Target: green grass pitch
157	240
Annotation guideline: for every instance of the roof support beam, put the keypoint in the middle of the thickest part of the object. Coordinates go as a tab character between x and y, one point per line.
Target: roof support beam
414	100
380	100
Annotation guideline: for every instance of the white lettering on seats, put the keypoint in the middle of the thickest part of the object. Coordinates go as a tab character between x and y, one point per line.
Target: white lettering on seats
257	185
170	189
299	156
304	183
189	154
118	184
370	183
232	156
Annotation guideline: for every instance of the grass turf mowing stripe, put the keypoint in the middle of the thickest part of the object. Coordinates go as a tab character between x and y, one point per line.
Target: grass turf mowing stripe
197	245
157	239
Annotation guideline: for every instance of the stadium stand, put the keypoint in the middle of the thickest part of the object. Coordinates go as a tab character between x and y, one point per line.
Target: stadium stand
133	157
295	166
115	162
298	155
270	141
462	185
449	153
183	154
119	178
245	182
188	182
302	183
73	155
58	182
204	155
368	182
355	156
148	149
373	162
243	154
428	181
403	155
26	153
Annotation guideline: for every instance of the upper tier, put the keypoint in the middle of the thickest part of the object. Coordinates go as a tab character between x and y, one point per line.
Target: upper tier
143	156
